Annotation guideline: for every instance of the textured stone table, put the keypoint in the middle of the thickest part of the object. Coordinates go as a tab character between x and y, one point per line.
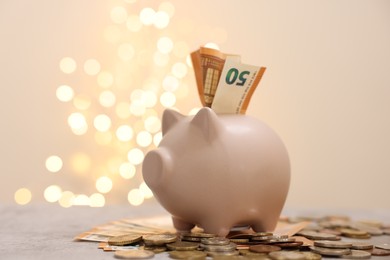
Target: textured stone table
46	231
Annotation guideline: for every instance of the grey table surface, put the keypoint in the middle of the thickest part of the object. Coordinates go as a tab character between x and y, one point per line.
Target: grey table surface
46	231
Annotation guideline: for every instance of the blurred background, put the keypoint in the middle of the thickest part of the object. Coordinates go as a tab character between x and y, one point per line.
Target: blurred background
84	83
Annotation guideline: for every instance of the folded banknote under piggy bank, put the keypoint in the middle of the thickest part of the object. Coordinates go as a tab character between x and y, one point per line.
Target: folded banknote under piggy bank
220	168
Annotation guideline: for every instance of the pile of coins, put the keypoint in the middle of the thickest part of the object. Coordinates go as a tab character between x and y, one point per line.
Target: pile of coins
335	237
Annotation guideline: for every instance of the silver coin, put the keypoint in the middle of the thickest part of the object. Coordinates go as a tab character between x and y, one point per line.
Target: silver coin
330	251
357	254
332	244
215	241
383	246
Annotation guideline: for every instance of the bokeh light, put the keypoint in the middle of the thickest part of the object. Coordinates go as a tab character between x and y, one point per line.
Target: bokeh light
23	196
77	123
107	98
127	170
81	200
165	44
135	156
53	163
103	184
91	67
147	16
66	200
68	65
144	139
97	200
52	193
102	122
146	190
124	133
80	163
105	79
168	99
118	14
135	197
82	102
64	93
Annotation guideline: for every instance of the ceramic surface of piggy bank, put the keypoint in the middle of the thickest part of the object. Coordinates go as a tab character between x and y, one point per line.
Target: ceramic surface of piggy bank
218	172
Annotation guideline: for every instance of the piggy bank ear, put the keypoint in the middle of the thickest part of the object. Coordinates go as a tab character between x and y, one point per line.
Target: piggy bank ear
208	122
169	119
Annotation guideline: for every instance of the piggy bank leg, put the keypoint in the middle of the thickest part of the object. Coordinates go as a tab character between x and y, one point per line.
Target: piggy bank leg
265	225
181	225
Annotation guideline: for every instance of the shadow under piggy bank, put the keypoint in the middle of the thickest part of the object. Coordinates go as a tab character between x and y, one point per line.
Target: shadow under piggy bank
218	172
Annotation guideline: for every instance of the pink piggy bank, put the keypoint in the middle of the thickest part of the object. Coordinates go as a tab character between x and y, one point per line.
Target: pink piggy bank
218	172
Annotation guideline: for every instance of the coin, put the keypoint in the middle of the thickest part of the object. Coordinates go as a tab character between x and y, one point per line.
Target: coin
287	255
264	248
312	256
198	234
182	246
379	252
215	241
239	240
357	254
290	244
361	246
246	252
383	246
318	235
219	248
217	253
348	232
187	254
124	240
330	251
156	249
332	244
134	254
159	239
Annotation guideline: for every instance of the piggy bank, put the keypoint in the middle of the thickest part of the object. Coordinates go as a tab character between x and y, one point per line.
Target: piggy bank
218	172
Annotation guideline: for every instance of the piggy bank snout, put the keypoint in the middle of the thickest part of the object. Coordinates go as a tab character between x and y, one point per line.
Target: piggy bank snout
155	166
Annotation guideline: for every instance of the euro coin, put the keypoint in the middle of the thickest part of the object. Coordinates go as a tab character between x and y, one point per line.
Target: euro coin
183	246
194	255
330	251
379	252
215	241
357	254
332	244
159	239
134	254
124	240
318	235
219	248
264	248
216	254
361	246
348	232
287	255
198	234
383	246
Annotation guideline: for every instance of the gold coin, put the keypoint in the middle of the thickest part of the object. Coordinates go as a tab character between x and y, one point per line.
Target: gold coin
183	246
124	240
159	239
187	254
134	254
156	249
215	241
330	251
332	244
287	255
348	232
239	240
357	254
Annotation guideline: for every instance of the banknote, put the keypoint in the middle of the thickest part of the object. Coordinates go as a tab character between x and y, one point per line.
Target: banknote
235	88
208	65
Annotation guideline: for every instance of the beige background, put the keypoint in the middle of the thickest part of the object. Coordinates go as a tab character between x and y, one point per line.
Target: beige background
326	90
